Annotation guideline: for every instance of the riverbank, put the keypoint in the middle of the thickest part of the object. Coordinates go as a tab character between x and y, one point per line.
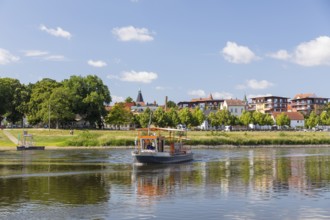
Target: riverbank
107	138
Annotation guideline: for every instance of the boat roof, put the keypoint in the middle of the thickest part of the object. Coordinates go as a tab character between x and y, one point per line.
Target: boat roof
160	129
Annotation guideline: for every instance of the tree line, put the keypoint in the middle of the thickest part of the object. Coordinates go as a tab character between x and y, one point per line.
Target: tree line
58	103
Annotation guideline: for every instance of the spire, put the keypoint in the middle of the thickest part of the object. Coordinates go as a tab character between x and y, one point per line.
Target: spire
210	96
139	98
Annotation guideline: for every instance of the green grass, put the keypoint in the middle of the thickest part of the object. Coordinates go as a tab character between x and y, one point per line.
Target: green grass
4	141
126	138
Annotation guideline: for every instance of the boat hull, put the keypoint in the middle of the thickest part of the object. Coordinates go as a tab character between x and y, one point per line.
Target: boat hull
31	148
163	159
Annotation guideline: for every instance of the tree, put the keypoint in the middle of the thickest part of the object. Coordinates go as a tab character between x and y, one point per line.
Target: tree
186	117
173	117
39	101
258	118
246	118
212	119
160	118
282	119
59	109
268	120
325	118
90	96
119	115
313	120
171	104
11	98
128	100
198	117
224	117
145	118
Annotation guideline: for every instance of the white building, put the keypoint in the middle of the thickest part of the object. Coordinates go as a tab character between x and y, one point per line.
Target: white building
234	106
296	119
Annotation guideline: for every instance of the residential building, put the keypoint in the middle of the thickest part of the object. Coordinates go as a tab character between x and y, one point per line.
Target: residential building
202	103
305	103
269	104
234	106
296	119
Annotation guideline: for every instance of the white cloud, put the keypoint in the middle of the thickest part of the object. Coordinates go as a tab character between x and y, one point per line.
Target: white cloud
255	84
117	98
55	58
280	55
222	95
234	53
58	32
6	57
143	77
198	93
131	33
97	63
312	53
35	53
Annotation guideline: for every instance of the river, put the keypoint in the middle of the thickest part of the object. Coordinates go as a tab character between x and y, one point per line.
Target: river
253	183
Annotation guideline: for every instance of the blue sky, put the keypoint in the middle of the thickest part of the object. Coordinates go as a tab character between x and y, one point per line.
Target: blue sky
182	49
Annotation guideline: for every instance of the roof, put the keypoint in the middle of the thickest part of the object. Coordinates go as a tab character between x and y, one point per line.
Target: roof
306	96
292	115
235	102
269	96
139	97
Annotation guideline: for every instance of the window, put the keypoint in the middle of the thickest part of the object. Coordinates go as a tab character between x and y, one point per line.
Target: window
235	110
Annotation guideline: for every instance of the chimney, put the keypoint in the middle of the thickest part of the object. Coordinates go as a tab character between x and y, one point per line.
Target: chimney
165	103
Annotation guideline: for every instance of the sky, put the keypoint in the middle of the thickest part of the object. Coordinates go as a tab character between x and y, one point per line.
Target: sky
182	49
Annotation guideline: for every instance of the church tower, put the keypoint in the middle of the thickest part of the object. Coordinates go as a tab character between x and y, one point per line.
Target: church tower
139	99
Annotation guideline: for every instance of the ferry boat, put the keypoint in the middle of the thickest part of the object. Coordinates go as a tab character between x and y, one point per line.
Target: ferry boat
150	146
27	143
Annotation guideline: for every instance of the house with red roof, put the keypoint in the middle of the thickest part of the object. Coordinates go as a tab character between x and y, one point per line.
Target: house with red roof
296	118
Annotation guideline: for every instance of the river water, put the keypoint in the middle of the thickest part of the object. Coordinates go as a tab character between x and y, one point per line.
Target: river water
237	183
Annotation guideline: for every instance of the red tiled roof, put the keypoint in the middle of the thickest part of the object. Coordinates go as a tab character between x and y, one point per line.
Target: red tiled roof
292	115
305	95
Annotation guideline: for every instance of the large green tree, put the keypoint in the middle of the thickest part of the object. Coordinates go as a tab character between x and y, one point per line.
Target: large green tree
246	118
39	103
198	117
89	97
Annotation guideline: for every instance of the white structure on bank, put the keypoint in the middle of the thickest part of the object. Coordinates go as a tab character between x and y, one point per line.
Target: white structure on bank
234	106
296	119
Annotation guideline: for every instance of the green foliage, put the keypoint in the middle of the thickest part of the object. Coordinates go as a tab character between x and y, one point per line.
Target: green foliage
145	118
119	115
128	100
198	117
85	138
160	118
246	118
171	104
312	120
282	119
186	117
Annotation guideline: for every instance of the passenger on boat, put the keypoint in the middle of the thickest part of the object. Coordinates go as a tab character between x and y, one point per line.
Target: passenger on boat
150	147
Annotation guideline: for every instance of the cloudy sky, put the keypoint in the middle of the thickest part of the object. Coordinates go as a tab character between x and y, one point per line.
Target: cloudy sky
182	49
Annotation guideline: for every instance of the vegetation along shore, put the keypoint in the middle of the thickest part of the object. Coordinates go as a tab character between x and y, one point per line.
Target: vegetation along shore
110	138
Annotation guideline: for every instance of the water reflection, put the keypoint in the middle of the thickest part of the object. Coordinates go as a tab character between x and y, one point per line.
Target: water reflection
231	183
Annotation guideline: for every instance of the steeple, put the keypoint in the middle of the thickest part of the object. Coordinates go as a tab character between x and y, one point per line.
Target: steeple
139	99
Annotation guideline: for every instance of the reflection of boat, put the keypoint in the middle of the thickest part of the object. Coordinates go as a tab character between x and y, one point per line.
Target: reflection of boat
150	146
27	143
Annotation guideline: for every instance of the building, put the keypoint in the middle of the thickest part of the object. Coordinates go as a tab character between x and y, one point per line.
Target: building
234	106
306	103
296	119
202	103
269	104
141	106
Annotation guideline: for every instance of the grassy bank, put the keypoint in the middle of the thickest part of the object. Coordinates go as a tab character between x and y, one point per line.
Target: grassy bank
4	141
126	138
